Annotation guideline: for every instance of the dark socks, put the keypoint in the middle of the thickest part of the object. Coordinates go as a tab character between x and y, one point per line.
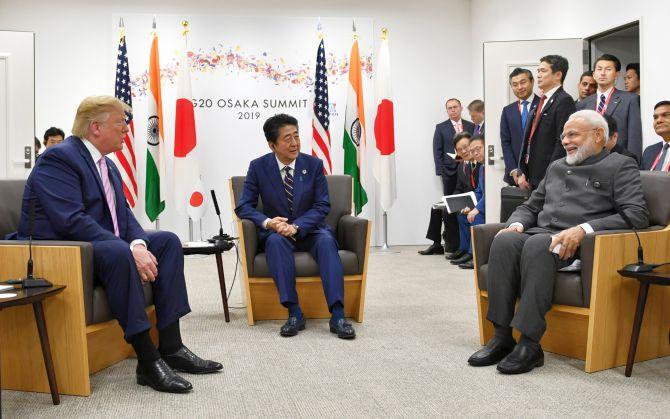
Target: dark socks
525	340
503	333
294	310
337	312
144	348
170	339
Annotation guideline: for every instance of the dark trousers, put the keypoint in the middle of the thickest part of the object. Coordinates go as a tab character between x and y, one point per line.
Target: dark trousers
114	267
321	244
521	265
450	221
464	231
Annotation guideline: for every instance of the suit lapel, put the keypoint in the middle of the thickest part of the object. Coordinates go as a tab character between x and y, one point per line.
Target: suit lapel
300	172
614	102
275	179
91	165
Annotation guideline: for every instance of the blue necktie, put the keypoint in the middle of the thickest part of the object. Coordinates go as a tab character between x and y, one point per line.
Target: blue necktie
288	188
476	129
661	160
601	105
524	114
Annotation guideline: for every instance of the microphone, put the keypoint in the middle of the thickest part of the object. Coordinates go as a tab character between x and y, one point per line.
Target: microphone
30	281
221	236
640	266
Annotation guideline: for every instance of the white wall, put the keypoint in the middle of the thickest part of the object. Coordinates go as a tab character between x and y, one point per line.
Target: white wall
519	20
75	53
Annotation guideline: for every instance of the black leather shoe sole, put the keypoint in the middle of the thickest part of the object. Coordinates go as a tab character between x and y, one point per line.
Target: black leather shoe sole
432	251
342	335
293	332
455	255
198	371
520	369
178	390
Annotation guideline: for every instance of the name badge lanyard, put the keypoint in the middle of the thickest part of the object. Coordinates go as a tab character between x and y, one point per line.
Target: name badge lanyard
656	161
607	102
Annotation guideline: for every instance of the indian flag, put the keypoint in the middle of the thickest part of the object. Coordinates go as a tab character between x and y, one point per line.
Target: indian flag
155	177
354	132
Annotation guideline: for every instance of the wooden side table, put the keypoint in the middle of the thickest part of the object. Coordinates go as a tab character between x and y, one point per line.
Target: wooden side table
35	296
660	276
216	250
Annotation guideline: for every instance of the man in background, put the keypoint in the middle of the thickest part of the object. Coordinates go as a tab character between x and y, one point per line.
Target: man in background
611	145
446	166
514	119
542	137
632	78
657	156
623	106
476	110
587	86
53	136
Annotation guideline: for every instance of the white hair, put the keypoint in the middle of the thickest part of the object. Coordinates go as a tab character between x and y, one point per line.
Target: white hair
595	119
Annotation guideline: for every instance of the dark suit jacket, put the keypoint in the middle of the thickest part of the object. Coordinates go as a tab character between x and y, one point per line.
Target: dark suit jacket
311	202
619	149
467	177
443	143
482	129
511	135
591	192
70	201
625	108
650	154
546	144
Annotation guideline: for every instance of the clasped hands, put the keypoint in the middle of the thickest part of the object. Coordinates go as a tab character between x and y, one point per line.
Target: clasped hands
569	239
281	226
471	213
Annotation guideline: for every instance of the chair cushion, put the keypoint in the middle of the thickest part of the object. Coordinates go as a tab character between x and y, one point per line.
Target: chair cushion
101	310
11	191
655	186
567	289
305	265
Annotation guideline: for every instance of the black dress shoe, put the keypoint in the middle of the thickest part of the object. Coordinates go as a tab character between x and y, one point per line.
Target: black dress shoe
466	257
343	329
186	361
159	376
467	265
522	359
433	249
292	326
492	353
455	255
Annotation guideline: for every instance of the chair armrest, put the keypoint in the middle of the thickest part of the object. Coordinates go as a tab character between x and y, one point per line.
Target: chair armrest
86	256
482	238
352	235
250	236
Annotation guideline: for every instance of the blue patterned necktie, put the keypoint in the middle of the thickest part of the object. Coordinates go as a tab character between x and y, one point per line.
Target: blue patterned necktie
601	105
524	114
661	160
288	187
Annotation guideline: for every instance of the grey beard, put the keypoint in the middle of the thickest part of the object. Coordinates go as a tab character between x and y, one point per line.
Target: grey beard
582	154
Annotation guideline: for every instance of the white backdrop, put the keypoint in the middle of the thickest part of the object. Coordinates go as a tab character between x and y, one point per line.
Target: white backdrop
243	70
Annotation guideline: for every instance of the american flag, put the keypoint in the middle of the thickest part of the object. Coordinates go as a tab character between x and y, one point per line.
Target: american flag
320	112
126	156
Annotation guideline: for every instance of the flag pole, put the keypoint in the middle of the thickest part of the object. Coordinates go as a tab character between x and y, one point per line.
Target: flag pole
153	33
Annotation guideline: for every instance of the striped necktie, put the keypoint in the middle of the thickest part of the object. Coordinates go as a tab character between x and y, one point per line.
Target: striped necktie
109	193
288	187
661	160
601	105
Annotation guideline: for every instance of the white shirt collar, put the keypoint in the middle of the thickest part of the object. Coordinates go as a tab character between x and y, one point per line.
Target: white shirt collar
455	123
282	165
606	93
551	92
93	151
530	99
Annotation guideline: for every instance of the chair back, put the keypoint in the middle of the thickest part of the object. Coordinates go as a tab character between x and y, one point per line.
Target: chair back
655	186
339	189
11	197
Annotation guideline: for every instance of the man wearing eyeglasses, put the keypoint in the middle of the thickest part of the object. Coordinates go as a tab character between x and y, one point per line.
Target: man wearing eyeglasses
581	193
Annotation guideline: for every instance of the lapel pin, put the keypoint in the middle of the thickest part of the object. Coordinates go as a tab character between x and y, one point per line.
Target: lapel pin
304	171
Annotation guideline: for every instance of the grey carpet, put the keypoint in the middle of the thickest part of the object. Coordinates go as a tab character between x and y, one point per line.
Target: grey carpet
409	360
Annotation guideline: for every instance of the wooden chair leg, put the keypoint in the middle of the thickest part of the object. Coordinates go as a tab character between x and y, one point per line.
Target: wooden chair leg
46	350
222	284
637	325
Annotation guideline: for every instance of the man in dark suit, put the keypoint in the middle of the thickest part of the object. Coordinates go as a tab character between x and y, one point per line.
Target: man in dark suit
77	194
542	143
611	145
295	199
466	175
446	166
544	235
632	78
514	119
476	110
623	106
587	86
657	156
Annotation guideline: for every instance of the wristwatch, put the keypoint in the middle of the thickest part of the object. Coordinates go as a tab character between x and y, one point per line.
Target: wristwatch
296	228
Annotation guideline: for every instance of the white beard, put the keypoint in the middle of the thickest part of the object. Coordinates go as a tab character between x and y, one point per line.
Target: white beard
582	153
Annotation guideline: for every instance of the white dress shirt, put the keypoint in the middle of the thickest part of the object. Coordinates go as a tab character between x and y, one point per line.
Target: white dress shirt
456	124
283	175
549	94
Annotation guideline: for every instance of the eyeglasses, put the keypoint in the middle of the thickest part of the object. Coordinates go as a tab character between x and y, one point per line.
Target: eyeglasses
571	135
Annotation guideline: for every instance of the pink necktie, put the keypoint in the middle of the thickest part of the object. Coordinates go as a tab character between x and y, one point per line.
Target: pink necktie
109	193
459	128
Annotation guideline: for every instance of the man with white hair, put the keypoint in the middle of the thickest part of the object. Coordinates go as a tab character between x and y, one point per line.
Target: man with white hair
581	193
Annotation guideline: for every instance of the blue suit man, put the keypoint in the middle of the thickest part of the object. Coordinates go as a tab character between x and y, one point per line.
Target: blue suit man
77	195
657	156
293	188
